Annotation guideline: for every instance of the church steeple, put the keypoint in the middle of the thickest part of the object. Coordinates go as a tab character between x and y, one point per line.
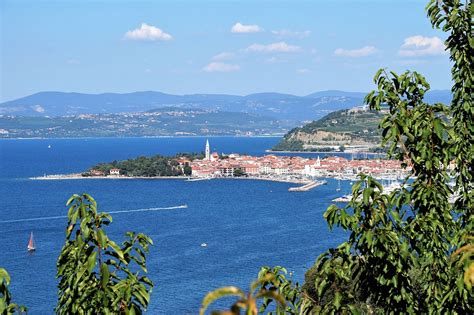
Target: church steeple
208	150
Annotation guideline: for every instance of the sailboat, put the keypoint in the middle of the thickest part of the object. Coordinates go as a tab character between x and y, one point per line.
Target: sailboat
338	185
31	243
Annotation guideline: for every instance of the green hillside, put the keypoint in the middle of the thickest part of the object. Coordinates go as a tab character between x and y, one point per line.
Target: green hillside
353	127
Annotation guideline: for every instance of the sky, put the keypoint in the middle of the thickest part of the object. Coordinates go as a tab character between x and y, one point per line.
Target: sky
226	47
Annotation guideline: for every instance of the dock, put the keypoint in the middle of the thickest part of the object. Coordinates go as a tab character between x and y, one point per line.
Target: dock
308	186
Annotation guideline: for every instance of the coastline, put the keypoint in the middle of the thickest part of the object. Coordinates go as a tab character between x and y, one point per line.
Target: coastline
78	176
322	152
145	137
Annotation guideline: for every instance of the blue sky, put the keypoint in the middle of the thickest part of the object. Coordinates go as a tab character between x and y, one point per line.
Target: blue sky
232	47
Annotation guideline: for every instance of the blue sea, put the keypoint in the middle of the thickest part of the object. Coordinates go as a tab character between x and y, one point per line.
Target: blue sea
246	224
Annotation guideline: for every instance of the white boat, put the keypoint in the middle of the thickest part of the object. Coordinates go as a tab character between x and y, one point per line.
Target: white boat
195	179
203	244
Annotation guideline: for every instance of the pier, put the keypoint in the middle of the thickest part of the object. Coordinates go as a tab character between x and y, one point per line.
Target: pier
308	186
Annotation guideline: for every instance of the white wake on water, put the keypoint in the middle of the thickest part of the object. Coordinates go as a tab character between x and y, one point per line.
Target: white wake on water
110	212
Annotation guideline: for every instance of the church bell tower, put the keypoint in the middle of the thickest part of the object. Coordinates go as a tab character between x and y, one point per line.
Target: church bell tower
208	150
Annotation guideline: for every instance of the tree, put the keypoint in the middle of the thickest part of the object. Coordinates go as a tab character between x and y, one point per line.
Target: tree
187	170
94	272
238	172
7	307
410	251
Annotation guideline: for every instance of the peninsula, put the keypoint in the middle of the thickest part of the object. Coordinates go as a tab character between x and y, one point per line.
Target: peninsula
209	165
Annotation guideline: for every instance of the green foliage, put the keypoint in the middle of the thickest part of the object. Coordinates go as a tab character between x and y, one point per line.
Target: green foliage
239	172
6	305
361	125
246	301
288	144
345	121
150	166
94	272
297	302
412	251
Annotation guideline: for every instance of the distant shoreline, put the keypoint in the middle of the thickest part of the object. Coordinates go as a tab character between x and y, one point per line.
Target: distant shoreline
78	176
147	137
322	152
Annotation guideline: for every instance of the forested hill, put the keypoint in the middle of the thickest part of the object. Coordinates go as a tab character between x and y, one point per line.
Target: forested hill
354	127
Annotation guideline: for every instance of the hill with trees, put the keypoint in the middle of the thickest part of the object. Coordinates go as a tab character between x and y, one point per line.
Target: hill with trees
357	126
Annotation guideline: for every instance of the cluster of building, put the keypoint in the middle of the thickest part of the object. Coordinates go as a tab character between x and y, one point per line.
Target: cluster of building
214	165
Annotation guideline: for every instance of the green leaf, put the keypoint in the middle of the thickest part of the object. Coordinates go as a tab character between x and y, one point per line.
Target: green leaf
91	261
102	239
337	300
217	294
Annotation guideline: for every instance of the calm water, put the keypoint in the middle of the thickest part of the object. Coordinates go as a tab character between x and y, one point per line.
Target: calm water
246	224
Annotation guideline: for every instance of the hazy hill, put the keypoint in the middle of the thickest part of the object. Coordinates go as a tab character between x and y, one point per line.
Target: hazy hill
295	109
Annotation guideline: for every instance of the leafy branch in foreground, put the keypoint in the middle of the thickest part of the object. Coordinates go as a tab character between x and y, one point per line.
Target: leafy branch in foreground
94	272
6	305
410	251
246	301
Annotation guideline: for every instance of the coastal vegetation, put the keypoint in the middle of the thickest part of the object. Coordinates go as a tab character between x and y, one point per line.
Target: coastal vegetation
357	126
410	251
142	166
94	272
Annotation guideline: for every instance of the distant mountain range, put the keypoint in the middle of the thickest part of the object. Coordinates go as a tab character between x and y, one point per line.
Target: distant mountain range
290	108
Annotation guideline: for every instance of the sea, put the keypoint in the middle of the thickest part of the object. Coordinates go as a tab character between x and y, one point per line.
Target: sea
246	224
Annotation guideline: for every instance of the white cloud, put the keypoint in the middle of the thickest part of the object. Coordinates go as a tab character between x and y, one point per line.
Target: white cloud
148	33
302	71
221	67
223	56
361	52
242	28
422	46
288	33
275	47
